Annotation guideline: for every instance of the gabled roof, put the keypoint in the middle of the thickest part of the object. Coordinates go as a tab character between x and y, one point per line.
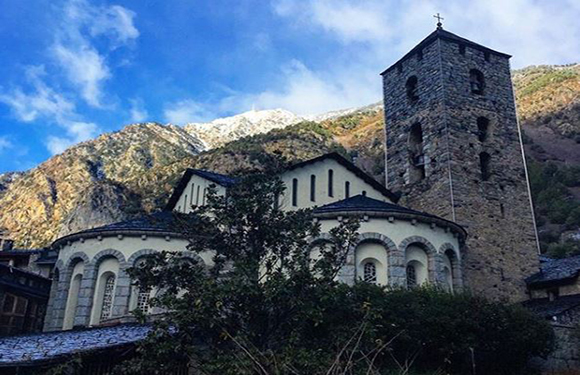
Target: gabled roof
439	33
216	178
366	205
162	222
555	272
351	167
37	349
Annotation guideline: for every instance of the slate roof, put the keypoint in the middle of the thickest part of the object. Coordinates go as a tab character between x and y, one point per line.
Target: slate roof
547	309
47	347
354	169
220	179
445	35
555	272
363	203
158	222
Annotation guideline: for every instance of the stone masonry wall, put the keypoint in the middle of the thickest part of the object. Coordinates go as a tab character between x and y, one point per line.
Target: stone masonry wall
501	249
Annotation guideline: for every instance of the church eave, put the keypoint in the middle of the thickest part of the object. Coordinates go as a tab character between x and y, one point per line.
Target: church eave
447	36
111	233
428	219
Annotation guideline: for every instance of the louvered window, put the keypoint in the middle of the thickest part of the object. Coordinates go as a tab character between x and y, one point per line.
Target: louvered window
108	295
370	273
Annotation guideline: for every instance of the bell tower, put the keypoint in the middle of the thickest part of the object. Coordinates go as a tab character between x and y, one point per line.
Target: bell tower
453	148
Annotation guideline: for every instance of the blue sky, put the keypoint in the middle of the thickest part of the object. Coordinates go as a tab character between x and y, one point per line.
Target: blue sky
74	69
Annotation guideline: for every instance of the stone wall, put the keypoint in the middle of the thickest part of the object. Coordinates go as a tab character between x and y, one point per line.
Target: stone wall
501	249
566	354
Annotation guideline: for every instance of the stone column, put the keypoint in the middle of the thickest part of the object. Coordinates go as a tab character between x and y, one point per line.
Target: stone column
86	295
396	268
122	292
54	318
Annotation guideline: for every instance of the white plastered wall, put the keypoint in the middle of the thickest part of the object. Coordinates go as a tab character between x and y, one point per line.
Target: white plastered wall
320	170
195	192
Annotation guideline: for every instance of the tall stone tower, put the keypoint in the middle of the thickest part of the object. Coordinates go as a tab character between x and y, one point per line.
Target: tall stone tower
454	149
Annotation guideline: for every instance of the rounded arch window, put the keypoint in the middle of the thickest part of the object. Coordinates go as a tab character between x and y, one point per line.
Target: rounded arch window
411	275
370	272
476	81
411	87
108	295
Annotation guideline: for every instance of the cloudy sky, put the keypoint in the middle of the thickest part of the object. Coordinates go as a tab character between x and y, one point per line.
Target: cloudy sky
73	69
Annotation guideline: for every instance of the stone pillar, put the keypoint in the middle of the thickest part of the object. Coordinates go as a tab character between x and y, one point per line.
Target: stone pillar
122	292
54	318
396	268
86	294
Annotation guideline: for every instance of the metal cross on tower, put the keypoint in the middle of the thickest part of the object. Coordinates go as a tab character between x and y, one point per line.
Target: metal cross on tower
439	19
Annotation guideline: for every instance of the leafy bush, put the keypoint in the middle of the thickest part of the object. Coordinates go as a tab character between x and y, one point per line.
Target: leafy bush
267	307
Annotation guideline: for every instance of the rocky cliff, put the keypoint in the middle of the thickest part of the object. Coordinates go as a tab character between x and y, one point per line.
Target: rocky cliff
122	174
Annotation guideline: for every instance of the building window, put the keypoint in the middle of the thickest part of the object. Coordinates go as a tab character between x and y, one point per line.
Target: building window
476	82
185	203
330	183
411	87
295	192
484	161
364	193
482	128
197	196
411	276
370	273
191	196
462	49
108	295
486	55
347	189
417	158
143	300
312	188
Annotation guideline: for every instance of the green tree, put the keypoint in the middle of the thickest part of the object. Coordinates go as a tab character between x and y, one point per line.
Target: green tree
267	306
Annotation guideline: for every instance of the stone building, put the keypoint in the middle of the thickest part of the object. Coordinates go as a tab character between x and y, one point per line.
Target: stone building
453	148
398	246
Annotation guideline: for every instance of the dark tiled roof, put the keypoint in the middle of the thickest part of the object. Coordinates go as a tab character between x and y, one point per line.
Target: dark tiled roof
217	178
445	35
159	222
366	204
547	309
354	169
45	347
20	252
555	271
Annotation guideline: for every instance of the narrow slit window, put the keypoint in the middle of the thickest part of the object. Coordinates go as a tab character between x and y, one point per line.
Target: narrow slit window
482	129
347	189
330	183
295	192
476	81
197	196
411	88
484	162
191	196
312	188
185	203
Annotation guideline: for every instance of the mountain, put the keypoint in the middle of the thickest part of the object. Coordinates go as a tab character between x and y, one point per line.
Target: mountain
223	130
132	171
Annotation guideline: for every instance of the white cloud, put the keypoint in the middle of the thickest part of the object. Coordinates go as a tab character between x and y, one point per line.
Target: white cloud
5	144
378	32
74	48
187	110
44	103
138	111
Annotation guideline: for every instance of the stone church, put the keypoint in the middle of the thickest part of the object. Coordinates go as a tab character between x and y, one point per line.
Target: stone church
456	210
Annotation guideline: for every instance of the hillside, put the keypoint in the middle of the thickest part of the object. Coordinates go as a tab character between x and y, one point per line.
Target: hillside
132	171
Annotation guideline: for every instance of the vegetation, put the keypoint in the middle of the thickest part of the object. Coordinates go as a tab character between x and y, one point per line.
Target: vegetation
268	307
554	204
